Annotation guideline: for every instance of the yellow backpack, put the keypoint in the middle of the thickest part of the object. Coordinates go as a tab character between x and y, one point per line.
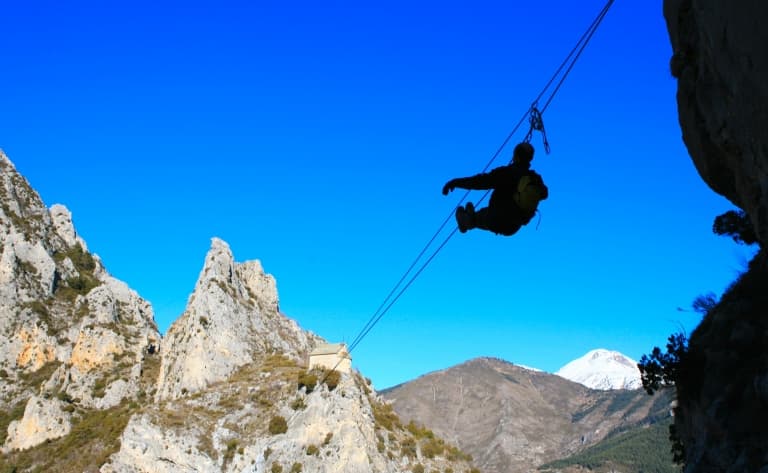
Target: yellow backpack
530	190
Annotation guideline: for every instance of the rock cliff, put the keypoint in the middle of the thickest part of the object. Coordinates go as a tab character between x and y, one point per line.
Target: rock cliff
71	331
258	421
232	316
720	61
87	383
720	58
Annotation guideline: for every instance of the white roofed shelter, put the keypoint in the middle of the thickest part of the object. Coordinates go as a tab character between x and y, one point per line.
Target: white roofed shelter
331	356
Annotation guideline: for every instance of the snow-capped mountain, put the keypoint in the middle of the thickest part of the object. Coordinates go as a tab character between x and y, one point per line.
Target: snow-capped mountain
603	369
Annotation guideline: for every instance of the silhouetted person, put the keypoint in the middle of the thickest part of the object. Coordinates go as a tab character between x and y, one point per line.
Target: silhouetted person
517	190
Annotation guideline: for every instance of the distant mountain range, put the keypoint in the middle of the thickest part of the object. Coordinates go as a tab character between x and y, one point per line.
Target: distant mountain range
511	418
603	369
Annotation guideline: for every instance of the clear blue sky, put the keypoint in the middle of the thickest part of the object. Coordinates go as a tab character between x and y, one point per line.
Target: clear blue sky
316	137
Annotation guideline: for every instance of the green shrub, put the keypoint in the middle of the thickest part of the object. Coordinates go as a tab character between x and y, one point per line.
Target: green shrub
297	468
419	431
313	450
332	379
328	438
298	404
384	415
82	260
276	468
307	380
230	452
432	448
418	468
38	308
63	396
408	447
454	454
6	417
100	388
36	378
278	425
82	283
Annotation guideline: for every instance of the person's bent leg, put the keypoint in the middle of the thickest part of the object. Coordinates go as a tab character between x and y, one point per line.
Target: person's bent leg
491	219
480	219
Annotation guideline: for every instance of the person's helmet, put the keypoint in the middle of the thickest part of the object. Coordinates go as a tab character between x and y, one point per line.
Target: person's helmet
523	153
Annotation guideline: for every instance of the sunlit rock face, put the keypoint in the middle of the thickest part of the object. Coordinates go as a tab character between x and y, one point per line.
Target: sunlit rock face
720	57
43	420
82	364
73	336
231	316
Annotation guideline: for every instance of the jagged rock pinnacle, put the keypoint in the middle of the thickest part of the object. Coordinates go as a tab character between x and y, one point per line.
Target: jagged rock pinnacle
231	316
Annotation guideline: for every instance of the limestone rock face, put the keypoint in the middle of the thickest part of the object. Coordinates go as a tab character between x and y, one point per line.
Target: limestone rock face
232	315
147	447
721	62
82	364
226	430
61	218
43	420
69	328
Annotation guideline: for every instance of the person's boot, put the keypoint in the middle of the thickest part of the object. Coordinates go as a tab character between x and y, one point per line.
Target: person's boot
464	218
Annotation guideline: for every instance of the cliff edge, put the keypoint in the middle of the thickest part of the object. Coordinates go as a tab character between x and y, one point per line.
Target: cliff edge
720	59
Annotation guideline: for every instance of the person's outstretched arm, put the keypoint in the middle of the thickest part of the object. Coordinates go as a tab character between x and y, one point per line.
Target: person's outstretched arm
476	182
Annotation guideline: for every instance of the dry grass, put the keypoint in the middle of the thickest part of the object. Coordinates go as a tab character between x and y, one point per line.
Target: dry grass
95	436
248	400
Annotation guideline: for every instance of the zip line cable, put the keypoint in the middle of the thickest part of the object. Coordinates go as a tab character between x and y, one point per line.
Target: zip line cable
407	285
569	61
585	41
534	113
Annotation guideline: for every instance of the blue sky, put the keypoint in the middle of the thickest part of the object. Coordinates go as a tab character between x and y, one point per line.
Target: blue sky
316	138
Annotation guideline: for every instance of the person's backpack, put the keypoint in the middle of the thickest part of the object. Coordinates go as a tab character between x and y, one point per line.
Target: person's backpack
530	190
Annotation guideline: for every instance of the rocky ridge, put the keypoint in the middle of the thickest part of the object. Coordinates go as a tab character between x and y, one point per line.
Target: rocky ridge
66	321
514	419
87	383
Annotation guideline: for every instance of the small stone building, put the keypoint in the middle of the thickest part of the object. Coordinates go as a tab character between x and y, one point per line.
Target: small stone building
331	356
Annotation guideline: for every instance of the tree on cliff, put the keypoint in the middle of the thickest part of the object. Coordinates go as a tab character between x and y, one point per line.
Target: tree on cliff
737	225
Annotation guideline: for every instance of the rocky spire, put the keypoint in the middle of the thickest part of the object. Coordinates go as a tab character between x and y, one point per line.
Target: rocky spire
231	316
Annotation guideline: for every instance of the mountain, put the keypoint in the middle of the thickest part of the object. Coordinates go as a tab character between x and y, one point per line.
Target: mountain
513	419
603	369
88	384
640	449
